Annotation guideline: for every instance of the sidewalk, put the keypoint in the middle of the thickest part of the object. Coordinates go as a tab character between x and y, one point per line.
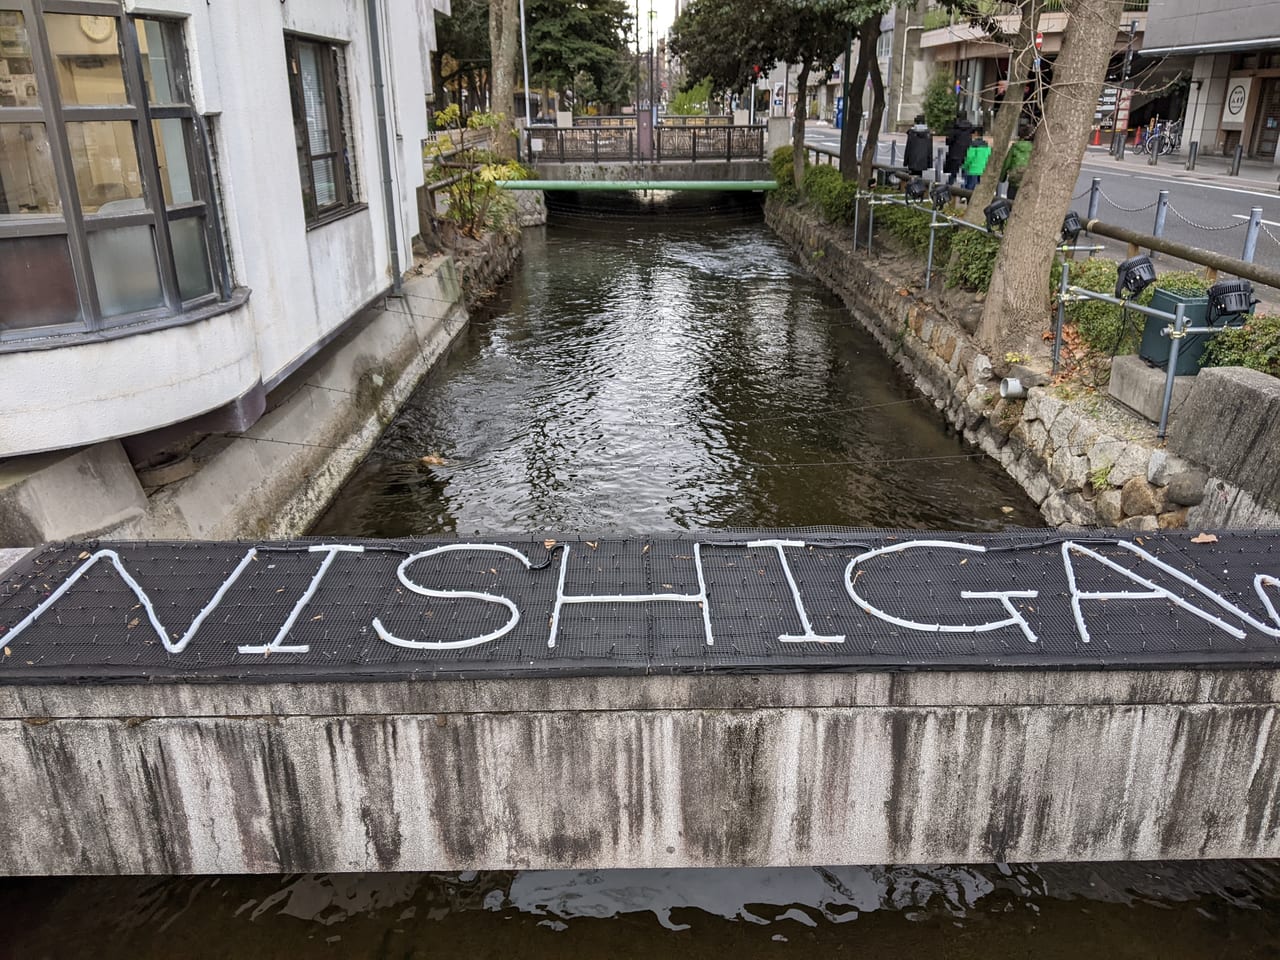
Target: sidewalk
1254	174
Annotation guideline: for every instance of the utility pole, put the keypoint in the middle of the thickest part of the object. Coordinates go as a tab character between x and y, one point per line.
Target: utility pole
637	112
653	100
524	53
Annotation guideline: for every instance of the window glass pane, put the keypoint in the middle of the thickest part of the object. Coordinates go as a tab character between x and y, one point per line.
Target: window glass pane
27	181
106	166
172	155
313	98
326	189
86	57
37	288
17	75
161	75
124	269
191	257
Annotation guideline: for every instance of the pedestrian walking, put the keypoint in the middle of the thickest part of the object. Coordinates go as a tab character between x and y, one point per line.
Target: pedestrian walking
975	160
958	140
1016	160
918	155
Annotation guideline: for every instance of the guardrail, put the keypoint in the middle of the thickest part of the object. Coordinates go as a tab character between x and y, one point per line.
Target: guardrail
566	144
709	143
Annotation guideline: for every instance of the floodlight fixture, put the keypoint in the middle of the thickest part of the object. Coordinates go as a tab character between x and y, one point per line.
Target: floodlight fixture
915	189
997	213
940	194
1229	298
1134	275
1071	227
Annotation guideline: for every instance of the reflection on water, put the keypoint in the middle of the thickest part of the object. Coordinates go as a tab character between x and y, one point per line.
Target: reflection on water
661	366
1228	909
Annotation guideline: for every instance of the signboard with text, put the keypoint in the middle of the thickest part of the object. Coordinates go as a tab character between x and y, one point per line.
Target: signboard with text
1237	103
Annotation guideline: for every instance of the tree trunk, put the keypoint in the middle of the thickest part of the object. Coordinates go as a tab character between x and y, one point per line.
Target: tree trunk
853	108
1006	124
1017	305
797	128
877	104
504	30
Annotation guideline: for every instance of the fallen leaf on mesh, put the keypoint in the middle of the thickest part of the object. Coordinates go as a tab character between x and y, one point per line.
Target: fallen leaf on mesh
8	652
646	548
1006	509
1205	538
84	555
548	544
433	460
318	616
591	544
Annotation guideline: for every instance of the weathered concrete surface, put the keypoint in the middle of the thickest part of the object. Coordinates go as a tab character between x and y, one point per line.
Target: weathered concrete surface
1231	424
10	556
1141	388
277	477
67	493
662	771
709	169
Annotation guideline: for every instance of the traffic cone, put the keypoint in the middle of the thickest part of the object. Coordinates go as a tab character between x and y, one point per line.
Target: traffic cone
1097	136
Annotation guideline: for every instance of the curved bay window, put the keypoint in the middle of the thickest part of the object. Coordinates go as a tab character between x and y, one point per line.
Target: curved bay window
106	212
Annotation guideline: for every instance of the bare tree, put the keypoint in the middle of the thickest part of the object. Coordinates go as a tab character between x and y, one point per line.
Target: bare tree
504	30
1017	304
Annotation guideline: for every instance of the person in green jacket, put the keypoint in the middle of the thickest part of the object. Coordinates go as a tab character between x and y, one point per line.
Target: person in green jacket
975	160
1016	160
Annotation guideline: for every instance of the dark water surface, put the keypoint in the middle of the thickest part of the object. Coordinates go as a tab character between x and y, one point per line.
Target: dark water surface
661	366
652	368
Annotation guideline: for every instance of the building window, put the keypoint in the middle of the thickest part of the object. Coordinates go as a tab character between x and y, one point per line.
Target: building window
317	87
106	213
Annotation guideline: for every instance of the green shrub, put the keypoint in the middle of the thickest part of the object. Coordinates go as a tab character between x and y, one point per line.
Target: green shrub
939	104
1104	326
974	259
782	163
830	193
1256	345
910	227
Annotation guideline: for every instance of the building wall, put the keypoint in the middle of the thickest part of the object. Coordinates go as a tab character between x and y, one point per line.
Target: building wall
304	283
1177	22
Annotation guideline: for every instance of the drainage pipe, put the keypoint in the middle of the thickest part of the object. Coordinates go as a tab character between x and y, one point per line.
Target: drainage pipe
384	144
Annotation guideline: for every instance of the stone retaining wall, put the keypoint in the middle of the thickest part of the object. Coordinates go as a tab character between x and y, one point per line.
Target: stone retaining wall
1080	463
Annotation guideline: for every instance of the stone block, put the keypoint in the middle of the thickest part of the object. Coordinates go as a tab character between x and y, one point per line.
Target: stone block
1231	424
1054	509
980	369
1031	407
1131	461
1106	505
1080	511
1137	498
1102	454
1141	388
1069	474
1050	407
67	494
1064	424
1037	436
1036	483
1147	524
1173	519
1164	465
1187	487
1082	437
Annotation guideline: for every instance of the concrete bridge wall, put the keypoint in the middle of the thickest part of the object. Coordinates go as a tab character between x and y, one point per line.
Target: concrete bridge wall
655	771
709	170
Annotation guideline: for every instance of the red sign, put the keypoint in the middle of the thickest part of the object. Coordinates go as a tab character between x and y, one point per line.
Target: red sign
1039	40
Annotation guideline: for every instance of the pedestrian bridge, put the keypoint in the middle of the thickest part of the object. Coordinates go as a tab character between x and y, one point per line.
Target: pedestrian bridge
669	156
812	696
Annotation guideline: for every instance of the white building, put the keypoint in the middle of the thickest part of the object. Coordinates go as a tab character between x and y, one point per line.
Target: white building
195	198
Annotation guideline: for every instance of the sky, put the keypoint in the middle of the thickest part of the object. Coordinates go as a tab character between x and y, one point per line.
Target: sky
664	14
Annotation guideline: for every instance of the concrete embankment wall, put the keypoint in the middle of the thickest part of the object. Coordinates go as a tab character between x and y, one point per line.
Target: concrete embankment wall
274	479
639	772
1080	465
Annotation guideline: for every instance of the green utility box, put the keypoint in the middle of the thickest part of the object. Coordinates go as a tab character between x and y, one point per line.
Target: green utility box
1155	345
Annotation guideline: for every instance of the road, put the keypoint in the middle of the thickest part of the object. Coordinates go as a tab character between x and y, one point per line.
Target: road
1206	208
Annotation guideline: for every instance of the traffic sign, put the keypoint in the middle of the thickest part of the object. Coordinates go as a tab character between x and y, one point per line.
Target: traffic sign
1039	40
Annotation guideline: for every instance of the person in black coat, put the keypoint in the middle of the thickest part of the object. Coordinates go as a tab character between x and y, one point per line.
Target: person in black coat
958	141
918	155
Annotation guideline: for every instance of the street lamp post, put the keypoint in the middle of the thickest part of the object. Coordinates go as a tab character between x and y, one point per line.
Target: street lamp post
524	54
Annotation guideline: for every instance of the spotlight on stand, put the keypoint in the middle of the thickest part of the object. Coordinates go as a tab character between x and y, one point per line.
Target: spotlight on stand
1134	275
940	194
997	212
1071	227
915	189
1229	299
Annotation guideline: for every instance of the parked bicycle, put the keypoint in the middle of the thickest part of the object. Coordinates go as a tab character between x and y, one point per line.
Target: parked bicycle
1165	138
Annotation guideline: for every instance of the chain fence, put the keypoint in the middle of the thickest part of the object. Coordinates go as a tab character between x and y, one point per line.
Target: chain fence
1206	227
1124	209
1274	238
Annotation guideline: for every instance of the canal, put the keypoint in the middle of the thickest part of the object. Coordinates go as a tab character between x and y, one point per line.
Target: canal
662	364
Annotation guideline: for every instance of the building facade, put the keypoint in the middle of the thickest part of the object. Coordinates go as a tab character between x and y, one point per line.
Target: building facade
1231	49
194	200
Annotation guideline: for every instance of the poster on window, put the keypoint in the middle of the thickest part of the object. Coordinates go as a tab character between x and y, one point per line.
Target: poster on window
1237	103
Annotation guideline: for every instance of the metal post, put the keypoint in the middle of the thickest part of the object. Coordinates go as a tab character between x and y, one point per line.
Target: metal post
1235	161
893	153
524	55
1062	315
857	197
1193	151
871	222
1095	195
1175	341
933	232
1251	235
1162	210
937	164
1153	148
1124	136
